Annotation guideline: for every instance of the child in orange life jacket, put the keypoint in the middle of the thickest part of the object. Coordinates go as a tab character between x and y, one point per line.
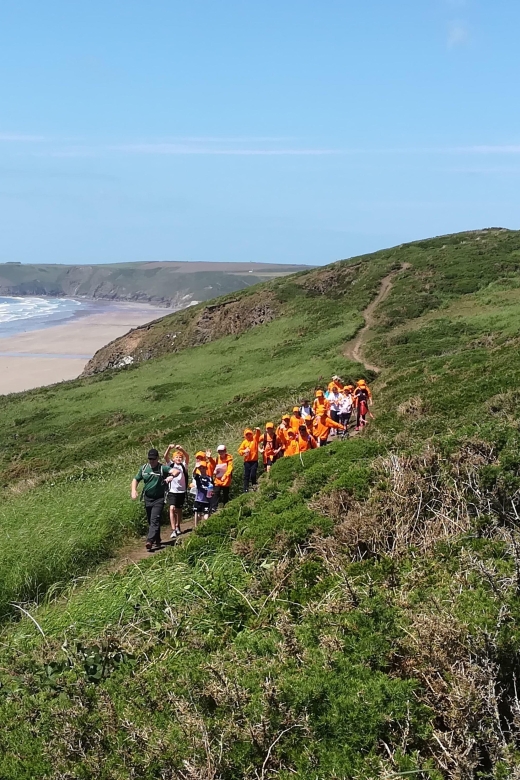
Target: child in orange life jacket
308	423
296	418
292	447
322	426
269	446
222	476
249	451
320	403
281	432
305	440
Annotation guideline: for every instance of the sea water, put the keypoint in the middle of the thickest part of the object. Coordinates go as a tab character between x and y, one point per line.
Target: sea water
18	315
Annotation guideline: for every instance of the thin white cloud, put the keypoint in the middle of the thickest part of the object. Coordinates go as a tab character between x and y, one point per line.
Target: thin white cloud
18	137
186	149
458	34
506	149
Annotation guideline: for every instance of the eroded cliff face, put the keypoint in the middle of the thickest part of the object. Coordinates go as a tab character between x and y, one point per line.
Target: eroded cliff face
187	328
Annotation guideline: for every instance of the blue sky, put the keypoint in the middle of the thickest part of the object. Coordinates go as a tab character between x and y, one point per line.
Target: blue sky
284	131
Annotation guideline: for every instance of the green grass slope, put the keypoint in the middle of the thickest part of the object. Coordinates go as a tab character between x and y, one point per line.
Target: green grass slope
356	617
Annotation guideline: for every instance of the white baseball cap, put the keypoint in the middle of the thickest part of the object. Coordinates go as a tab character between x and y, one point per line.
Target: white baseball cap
221	447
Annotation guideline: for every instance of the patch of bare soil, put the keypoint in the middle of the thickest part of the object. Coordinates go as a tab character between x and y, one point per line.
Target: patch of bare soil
354	349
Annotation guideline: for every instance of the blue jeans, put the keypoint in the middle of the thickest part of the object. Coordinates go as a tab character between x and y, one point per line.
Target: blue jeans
250	472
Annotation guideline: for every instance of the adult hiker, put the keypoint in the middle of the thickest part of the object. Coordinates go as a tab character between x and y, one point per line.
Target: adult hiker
296	418
322	426
335	382
305	440
320	403
269	446
153	475
204	488
249	451
222	476
362	397
346	406
177	482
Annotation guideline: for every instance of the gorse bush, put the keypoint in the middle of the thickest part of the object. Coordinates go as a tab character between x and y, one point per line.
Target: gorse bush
356	617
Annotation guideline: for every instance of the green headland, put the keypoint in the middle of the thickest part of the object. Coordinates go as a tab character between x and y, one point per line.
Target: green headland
356	617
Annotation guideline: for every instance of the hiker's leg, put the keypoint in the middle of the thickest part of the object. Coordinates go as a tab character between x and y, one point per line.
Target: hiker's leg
225	494
172	512
254	471
148	508
215	498
154	532
247	475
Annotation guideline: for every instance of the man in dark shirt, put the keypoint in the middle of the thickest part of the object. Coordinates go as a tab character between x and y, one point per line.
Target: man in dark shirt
152	474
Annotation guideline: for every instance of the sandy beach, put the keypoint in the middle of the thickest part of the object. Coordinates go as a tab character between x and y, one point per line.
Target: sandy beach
50	355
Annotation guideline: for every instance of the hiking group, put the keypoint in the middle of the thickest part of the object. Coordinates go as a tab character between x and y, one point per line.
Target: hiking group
308	427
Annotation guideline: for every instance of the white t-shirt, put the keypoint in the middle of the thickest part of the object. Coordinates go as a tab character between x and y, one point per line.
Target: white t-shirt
178	483
345	406
335	401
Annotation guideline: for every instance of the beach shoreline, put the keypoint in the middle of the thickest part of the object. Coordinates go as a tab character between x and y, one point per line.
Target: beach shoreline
60	352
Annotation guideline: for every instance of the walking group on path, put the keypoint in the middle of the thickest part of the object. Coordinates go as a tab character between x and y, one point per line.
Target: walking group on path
308	427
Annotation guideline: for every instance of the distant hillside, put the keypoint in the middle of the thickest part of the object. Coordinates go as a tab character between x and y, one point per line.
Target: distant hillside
175	284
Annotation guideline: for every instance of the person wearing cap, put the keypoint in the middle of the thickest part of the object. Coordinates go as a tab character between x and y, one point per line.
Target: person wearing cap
204	488
269	446
320	403
292	447
305	440
322	426
222	476
296	418
152	475
281	434
177	481
362	398
335	382
249	451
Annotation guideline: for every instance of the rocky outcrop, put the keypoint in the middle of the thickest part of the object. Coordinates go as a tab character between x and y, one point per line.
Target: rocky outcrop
187	328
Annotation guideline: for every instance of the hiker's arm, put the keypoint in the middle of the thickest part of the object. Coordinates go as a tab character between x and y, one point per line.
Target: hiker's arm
134	493
166	455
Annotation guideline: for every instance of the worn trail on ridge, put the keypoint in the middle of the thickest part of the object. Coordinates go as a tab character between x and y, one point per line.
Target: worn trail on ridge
354	349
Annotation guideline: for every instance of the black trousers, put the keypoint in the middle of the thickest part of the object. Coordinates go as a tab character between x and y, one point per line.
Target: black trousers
250	472
334	415
220	493
344	419
154	509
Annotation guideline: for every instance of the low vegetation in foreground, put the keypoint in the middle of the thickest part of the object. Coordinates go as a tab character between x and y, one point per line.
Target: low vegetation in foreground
357	617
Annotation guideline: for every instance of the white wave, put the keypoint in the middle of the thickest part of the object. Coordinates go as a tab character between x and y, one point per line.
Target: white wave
15	308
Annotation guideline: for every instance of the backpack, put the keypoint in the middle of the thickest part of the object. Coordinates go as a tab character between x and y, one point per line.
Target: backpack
147	471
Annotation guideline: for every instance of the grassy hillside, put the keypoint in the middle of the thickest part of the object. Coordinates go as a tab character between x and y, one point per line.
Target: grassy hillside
356	617
174	283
